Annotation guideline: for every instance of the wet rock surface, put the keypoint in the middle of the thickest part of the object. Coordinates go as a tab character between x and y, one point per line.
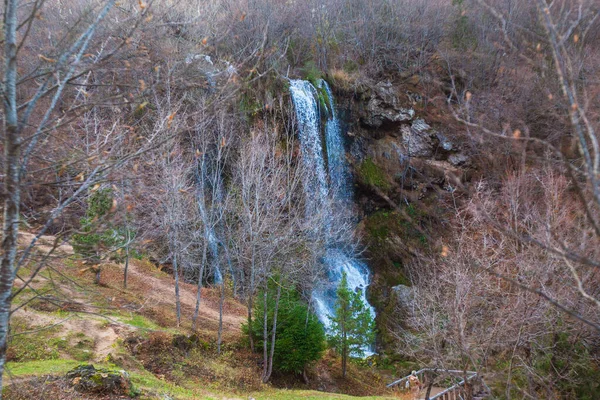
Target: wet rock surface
407	162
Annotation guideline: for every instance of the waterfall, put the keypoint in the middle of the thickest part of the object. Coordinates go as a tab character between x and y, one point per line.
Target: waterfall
203	182
328	191
309	120
213	245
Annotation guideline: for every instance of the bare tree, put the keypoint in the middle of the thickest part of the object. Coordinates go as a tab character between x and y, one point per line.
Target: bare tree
270	240
32	117
527	285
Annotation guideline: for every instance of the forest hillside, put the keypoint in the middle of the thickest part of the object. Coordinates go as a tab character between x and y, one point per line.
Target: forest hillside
278	199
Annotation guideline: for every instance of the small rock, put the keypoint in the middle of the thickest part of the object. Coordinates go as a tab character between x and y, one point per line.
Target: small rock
458	159
414	98
444	142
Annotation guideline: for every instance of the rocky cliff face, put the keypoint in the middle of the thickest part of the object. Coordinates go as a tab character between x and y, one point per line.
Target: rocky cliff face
406	168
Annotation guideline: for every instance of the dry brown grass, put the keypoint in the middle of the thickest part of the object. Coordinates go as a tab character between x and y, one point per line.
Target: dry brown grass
344	80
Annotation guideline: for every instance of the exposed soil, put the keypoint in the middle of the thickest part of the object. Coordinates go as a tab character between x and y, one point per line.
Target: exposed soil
147	290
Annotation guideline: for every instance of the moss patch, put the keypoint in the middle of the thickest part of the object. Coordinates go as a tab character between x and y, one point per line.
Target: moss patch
371	174
384	228
311	72
141	322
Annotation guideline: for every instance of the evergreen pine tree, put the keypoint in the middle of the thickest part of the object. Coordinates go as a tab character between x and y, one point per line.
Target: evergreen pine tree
352	326
300	336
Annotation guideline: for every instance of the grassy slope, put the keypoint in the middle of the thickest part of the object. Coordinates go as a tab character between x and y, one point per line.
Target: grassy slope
79	322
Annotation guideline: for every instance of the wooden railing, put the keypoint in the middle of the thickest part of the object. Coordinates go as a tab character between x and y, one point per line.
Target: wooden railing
455	392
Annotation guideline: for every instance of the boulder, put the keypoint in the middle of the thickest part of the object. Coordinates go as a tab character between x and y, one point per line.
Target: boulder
385	108
405	299
405	296
389	153
88	379
419	138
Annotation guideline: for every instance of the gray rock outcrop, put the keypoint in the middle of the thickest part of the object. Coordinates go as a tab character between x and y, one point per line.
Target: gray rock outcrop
385	107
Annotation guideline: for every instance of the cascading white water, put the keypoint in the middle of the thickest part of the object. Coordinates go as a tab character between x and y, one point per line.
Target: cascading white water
209	231
333	198
213	245
309	120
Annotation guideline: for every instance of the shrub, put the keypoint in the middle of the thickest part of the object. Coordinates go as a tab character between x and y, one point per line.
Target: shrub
312	73
343	79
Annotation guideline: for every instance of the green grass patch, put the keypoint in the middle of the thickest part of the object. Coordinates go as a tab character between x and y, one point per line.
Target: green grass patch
141	322
283	394
79	346
35	346
46	344
44	367
150	384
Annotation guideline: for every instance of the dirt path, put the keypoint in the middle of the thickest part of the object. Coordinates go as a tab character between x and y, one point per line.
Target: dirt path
103	334
44	243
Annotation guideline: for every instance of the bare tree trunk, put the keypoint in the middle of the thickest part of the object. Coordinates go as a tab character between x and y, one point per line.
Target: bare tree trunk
126	262
344	348
428	393
199	290
221	302
98	276
265	334
344	360
273	336
230	265
430	384
12	192
250	305
250	338
177	300
305	376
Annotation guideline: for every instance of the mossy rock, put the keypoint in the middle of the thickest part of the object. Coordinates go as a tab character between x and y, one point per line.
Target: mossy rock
88	379
371	174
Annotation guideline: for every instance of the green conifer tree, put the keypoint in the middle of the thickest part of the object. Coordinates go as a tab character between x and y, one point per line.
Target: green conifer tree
300	337
352	326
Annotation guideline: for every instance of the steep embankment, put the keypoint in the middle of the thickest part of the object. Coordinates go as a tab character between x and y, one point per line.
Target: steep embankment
409	159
